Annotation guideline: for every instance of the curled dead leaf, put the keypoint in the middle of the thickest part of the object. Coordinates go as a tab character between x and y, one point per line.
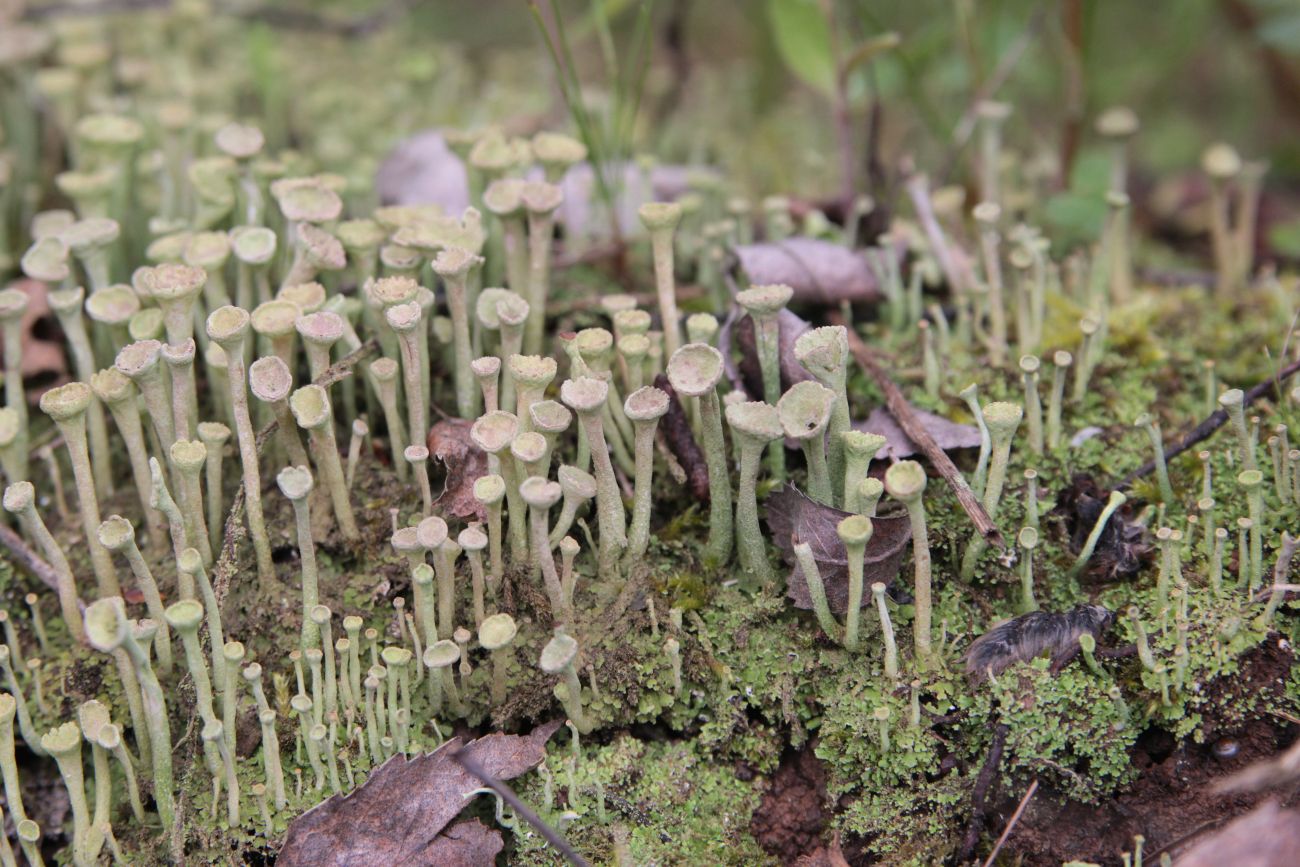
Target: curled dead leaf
793	515
397	816
450	445
819	272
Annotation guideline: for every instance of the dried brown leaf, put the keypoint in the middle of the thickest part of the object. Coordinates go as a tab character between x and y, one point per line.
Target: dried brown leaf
44	363
450	445
819	272
1267	836
948	434
395	817
793	515
468	843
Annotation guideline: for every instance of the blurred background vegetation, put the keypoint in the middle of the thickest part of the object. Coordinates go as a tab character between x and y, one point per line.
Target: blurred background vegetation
750	86
757	73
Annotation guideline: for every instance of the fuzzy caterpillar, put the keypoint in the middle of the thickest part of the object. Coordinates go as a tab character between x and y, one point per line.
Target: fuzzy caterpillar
1027	636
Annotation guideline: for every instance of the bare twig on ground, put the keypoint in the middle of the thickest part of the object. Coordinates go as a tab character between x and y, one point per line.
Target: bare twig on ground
1216	420
980	793
25	557
1015	817
902	412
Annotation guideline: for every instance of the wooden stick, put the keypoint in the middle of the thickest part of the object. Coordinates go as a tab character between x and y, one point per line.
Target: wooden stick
471	764
1015	817
980	792
902	412
25	557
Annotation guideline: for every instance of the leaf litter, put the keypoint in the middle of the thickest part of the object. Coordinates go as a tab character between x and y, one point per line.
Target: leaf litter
399	814
791	513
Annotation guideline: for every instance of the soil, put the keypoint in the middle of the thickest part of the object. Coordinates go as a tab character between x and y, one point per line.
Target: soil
791	817
1171	803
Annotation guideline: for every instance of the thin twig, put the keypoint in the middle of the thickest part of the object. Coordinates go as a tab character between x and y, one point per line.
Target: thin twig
471	764
903	413
1216	420
24	556
1015	817
953	261
1286	716
979	793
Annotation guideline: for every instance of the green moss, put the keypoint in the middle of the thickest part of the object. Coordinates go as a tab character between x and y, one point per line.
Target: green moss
1061	728
655	793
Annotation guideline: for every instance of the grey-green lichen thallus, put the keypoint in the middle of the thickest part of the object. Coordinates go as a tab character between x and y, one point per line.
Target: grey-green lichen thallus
694	372
228	328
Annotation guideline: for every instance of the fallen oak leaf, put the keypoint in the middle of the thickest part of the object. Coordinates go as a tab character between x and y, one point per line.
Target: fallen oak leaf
948	434
819	272
450	445
395	817
793	515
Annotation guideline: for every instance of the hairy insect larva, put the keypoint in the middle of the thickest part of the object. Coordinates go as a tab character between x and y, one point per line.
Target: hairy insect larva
1029	635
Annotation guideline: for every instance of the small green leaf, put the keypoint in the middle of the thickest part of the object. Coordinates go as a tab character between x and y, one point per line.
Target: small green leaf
869	49
803	39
